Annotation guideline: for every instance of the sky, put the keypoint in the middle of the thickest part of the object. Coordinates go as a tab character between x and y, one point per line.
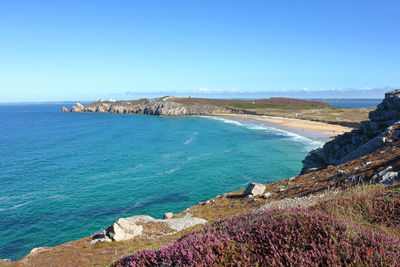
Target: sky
89	50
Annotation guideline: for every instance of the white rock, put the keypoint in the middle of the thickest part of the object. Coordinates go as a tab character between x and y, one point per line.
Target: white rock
4	261
180	224
382	173
267	195
168	215
130	227
123	229
389	178
254	189
38	249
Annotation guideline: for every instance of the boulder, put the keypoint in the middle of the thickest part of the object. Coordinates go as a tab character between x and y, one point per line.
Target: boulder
78	108
38	250
64	109
123	229
267	195
254	189
168	215
382	173
389	178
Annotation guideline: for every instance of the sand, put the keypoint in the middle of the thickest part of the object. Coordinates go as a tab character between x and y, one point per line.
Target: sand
311	129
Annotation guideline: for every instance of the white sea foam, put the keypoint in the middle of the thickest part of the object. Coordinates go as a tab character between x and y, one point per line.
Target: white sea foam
15	206
172	170
309	143
226	121
188	141
58	196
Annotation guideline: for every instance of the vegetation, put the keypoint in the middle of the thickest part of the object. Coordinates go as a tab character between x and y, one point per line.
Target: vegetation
276	237
290	108
375	206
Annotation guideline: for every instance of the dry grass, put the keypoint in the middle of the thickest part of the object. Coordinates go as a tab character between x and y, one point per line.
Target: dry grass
361	205
350	117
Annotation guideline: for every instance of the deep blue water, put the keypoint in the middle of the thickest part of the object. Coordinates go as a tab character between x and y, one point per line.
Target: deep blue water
65	176
353	103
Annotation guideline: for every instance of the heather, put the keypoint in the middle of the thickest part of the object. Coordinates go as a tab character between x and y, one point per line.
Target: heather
373	206
279	238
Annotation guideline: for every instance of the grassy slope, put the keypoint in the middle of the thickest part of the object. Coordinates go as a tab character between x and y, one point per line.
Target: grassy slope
288	238
290	108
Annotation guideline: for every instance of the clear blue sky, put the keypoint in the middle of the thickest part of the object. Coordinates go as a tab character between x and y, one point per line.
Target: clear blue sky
86	50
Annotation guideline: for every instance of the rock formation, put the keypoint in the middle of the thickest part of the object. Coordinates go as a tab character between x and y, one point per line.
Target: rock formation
64	109
254	189
168	215
130	227
166	106
78	108
372	135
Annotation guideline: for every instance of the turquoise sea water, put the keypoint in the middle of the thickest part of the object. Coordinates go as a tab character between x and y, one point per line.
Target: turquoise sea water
65	176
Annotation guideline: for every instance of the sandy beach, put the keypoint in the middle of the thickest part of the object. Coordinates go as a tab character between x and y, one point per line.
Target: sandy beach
311	129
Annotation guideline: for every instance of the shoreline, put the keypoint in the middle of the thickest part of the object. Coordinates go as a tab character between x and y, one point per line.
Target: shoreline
316	131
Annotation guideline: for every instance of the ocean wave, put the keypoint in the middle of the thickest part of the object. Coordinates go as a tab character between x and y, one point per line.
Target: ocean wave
172	170
188	141
310	144
226	120
8	198
15	206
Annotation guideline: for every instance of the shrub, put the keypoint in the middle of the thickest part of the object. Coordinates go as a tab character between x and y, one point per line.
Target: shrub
276	237
378	206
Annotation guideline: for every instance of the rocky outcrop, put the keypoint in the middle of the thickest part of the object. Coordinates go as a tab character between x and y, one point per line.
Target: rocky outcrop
4	261
123	229
130	227
168	215
64	109
373	134
78	108
254	189
38	250
165	106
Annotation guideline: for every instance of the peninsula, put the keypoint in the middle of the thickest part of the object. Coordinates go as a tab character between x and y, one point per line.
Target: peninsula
284	113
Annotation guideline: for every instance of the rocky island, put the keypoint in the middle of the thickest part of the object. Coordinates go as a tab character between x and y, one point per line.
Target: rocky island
347	199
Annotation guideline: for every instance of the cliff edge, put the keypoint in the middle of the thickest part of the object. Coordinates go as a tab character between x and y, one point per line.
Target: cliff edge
165	106
359	142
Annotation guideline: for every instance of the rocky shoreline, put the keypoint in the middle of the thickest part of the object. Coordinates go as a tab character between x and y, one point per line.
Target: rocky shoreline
165	106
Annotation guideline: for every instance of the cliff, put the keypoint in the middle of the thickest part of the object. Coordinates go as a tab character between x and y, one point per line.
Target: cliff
369	137
165	106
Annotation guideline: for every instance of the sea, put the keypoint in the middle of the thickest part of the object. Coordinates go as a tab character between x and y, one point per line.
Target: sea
351	103
65	176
